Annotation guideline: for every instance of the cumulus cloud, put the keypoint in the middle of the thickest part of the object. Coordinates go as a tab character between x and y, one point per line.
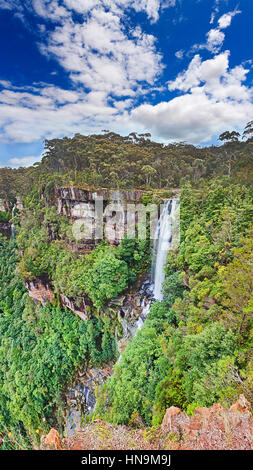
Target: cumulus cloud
101	55
215	98
22	161
51	112
225	20
100	50
111	64
54	9
215	37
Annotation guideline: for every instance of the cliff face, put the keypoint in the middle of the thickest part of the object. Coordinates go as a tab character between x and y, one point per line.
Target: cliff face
42	292
212	428
80	204
77	203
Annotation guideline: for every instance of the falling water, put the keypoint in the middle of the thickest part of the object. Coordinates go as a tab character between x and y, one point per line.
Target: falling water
163	240
12	225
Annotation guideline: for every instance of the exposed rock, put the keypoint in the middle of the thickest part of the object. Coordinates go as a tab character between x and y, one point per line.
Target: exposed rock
212	428
85	208
53	440
5	229
19	203
172	411
5	205
40	292
242	405
80	396
79	310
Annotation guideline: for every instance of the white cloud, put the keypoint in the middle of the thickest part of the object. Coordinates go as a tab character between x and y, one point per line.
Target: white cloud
179	54
52	112
225	20
22	161
8	4
54	10
108	61
101	55
215	37
111	64
215	99
199	71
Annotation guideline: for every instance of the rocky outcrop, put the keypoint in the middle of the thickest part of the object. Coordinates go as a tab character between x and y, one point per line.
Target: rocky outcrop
77	306
132	310
53	440
93	209
78	194
40	292
214	428
5	205
75	202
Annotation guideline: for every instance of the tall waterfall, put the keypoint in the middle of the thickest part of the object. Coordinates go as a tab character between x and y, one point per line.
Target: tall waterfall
166	234
162	243
12	225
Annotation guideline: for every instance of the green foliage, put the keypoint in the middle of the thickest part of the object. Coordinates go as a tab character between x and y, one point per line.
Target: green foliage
106	279
144	364
5	216
110	160
39	352
195	347
197	353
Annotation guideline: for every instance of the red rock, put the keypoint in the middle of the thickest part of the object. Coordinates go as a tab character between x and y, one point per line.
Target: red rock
170	412
53	440
242	405
217	407
40	292
203	412
214	428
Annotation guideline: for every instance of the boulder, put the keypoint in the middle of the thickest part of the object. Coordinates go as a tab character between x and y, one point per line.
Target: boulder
53	440
241	405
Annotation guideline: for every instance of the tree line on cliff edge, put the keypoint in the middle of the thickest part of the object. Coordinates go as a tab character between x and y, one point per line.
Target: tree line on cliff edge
196	346
110	160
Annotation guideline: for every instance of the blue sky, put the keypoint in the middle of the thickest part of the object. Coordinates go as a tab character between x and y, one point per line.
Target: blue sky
180	69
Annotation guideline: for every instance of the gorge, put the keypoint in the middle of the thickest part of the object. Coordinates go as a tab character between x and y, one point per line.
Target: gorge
81	396
125	328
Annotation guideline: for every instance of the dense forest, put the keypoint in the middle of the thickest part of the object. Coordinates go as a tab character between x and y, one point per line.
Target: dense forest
195	347
110	160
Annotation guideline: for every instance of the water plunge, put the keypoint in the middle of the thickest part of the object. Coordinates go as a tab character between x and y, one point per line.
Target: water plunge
82	395
162	243
12	225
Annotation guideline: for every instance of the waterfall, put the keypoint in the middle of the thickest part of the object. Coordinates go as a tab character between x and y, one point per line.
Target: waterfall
165	238
12	225
162	243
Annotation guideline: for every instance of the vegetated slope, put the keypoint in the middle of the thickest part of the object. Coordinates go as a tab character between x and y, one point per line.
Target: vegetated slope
40	349
195	349
109	160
